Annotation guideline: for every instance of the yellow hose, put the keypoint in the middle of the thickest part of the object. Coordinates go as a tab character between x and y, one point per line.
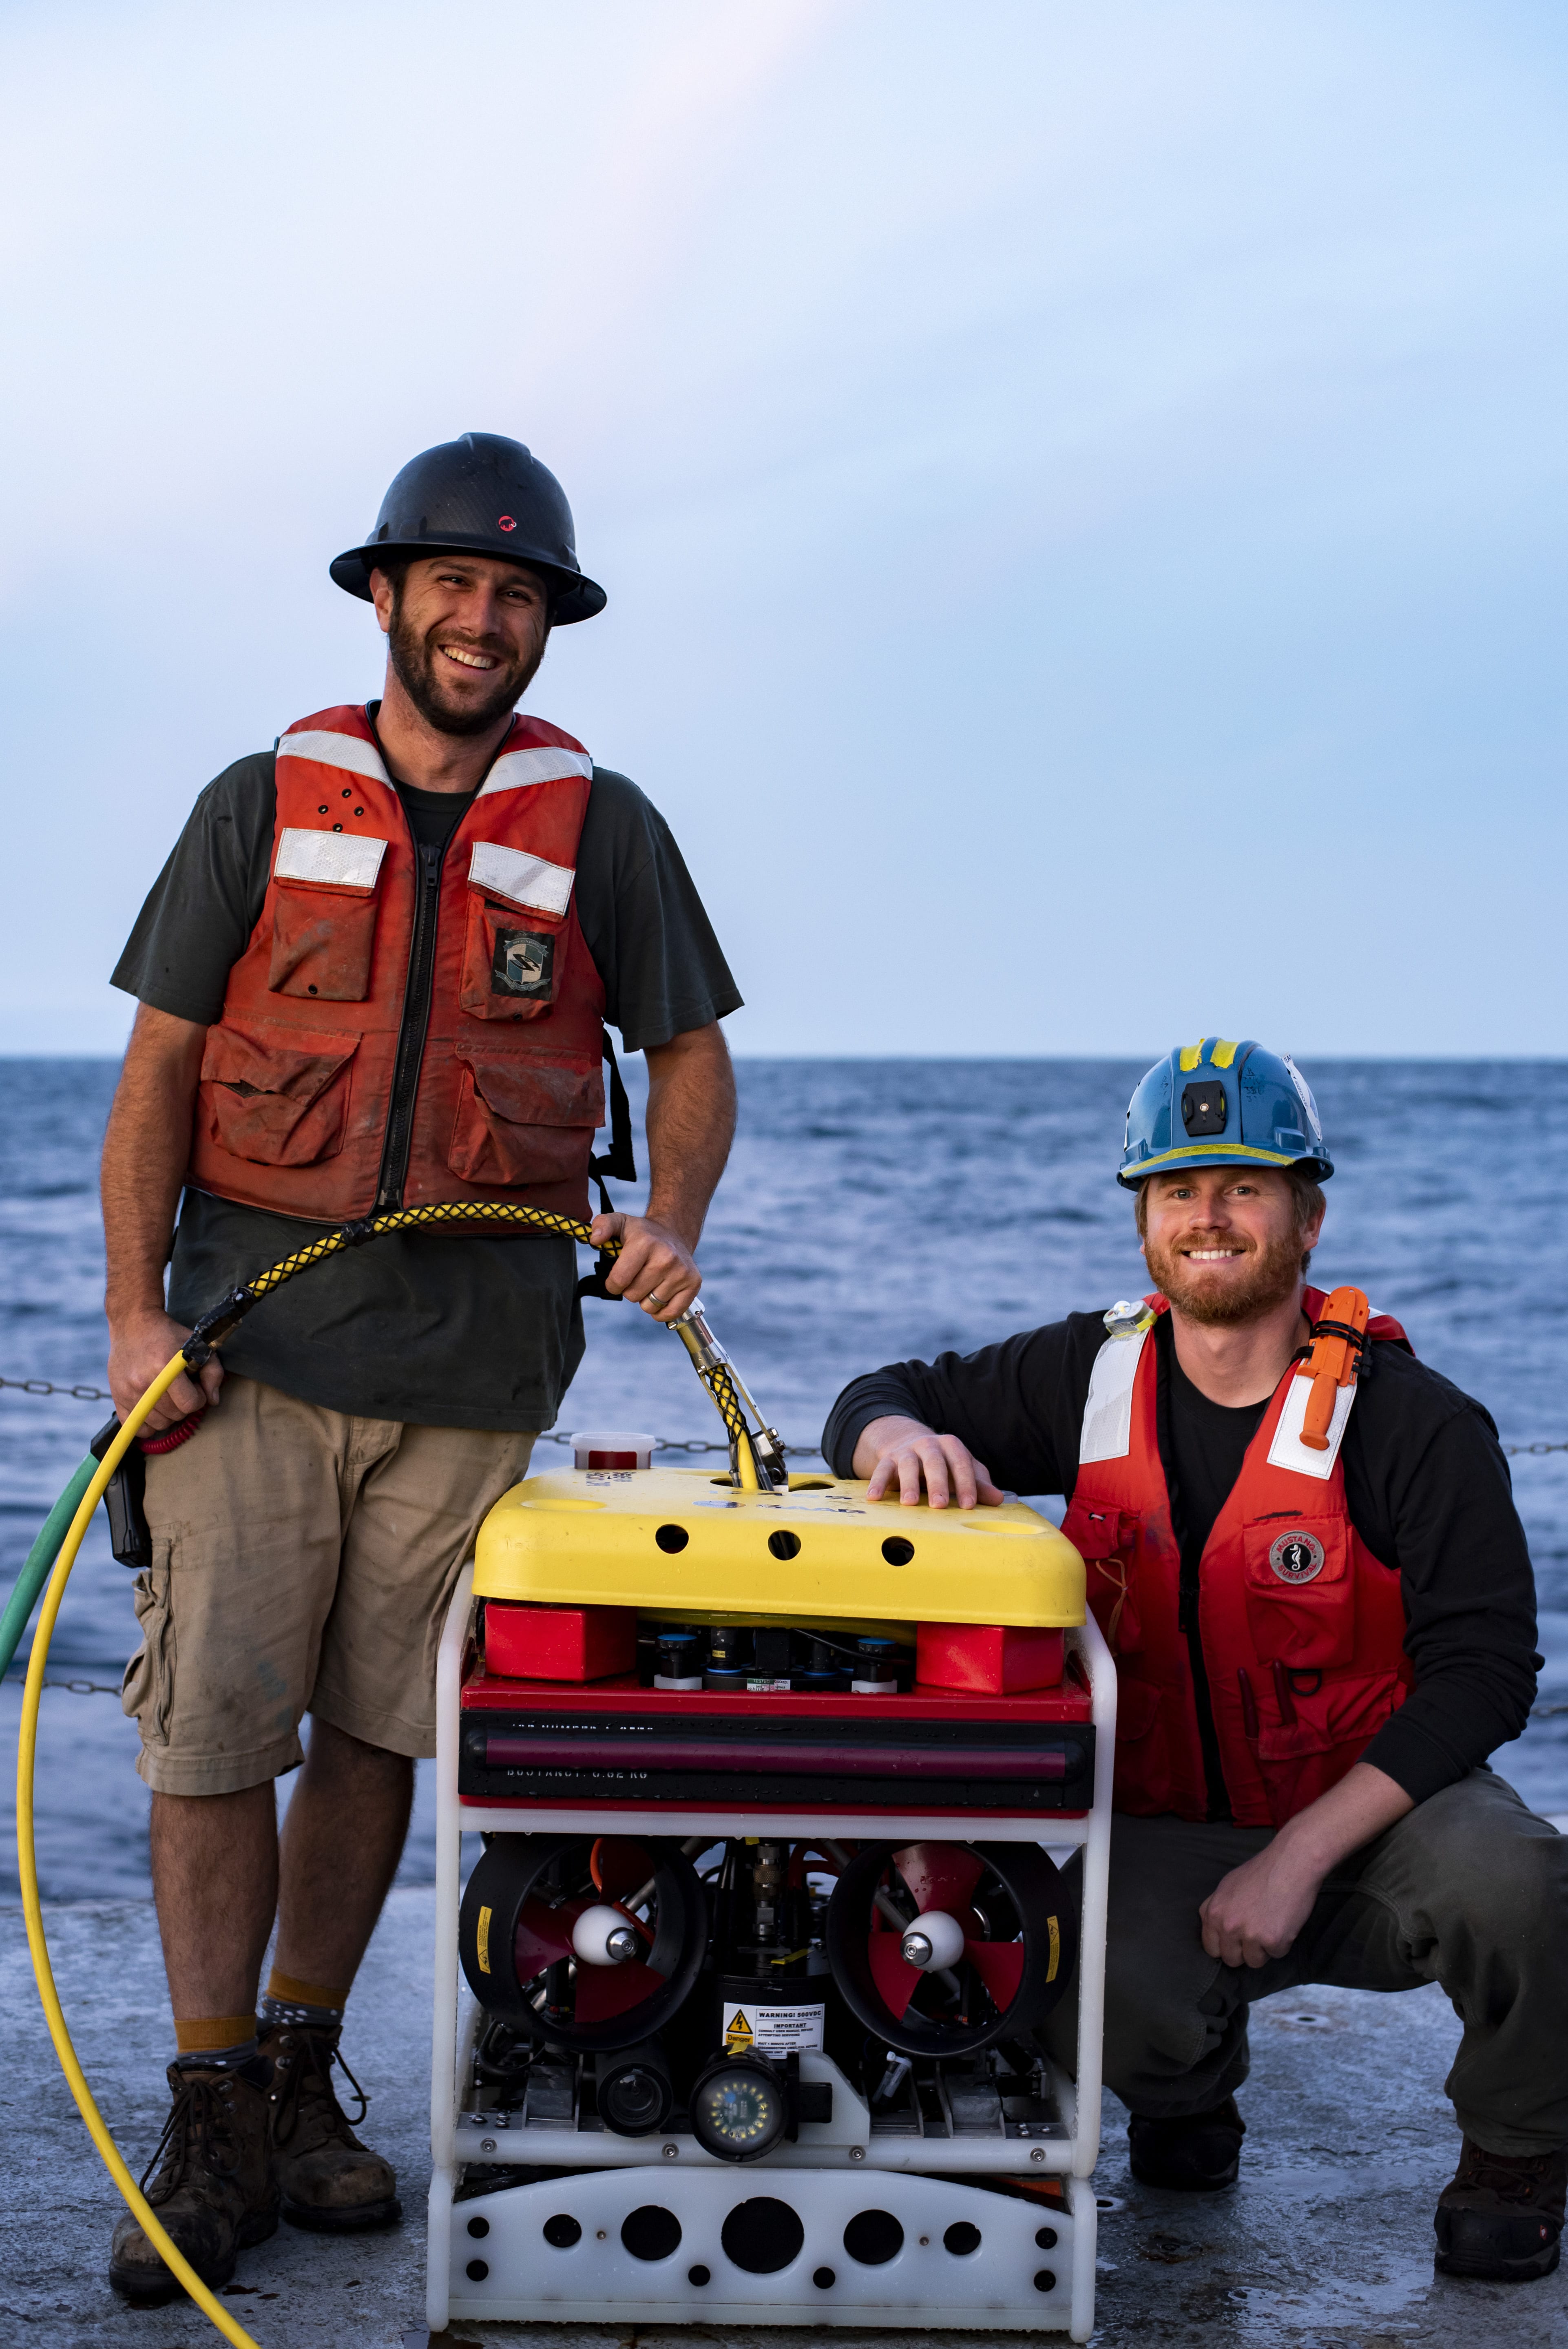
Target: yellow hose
27	1864
314	1252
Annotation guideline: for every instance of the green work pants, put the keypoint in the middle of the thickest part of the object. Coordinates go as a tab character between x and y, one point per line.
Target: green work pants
1469	1890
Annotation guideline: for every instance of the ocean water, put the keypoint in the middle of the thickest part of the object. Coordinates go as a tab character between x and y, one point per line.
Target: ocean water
872	1210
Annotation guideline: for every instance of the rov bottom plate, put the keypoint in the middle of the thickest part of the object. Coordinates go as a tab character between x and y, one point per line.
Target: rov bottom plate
763	2246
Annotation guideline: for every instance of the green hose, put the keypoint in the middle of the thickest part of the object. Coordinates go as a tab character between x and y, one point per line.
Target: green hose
40	1561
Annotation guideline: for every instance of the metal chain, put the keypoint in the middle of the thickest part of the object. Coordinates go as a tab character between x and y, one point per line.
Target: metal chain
661	1443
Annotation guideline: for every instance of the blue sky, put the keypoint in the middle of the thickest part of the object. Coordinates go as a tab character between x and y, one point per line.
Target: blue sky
1080	487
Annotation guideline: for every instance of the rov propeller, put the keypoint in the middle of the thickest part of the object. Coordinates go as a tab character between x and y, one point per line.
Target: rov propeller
552	1935
986	1950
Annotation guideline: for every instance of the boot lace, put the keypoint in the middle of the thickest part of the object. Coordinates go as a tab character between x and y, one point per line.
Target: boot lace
1516	2177
309	2064
197	2135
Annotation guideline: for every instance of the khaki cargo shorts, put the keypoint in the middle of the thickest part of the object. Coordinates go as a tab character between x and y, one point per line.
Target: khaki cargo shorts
303	1562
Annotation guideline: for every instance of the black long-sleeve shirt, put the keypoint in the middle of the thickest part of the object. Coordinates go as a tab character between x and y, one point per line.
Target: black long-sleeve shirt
1426	1483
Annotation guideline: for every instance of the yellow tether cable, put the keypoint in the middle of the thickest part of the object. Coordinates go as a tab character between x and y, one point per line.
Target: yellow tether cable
27	1867
209	1332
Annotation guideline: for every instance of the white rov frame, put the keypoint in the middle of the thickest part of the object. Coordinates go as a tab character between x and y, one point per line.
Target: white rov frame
596	2281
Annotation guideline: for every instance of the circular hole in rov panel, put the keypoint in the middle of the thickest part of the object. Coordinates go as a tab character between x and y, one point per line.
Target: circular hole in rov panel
1044	2280
784	1544
476	2270
699	2275
672	1537
961	2239
824	2278
1046	2238
874	2237
479	2227
561	2232
762	2235
651	2232
897	1550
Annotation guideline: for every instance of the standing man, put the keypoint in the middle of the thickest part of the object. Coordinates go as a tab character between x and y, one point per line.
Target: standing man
374	972
1321	1611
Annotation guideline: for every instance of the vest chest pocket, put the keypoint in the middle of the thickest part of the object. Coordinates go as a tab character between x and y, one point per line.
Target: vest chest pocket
524	1120
1300	1590
517	920
324	913
1105	1538
279	1100
512	960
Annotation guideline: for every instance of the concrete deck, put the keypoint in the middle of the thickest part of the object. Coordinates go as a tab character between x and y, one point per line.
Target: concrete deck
1325	2245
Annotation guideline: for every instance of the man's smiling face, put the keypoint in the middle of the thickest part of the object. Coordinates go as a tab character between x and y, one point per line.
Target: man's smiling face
1224	1244
466	634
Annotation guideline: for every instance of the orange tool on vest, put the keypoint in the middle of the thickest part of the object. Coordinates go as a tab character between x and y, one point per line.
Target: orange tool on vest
1336	1355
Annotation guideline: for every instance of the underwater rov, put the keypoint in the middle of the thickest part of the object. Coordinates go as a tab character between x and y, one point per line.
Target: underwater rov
735	2018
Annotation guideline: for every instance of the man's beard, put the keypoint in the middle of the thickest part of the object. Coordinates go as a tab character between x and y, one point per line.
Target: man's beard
417	664
1273	1276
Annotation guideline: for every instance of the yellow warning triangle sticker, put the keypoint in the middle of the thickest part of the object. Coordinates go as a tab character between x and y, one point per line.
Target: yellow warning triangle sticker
739	2033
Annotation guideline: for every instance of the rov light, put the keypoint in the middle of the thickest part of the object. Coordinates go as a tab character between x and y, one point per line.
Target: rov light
738	2107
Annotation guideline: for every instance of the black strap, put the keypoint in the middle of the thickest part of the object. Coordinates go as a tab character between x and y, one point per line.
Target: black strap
617	1162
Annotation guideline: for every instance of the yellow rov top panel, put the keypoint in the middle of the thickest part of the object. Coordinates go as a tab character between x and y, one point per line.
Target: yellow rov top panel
678	1539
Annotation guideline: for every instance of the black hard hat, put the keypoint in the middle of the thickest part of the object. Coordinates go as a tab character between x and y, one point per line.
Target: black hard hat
479	495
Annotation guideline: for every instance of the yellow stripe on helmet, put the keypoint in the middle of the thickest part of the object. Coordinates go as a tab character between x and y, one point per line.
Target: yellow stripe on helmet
1215	1151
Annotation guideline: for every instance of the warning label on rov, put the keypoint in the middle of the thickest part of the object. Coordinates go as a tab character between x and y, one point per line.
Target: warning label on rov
772	2030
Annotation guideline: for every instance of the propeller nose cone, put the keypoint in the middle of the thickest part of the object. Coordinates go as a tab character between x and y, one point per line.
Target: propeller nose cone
602	1936
933	1940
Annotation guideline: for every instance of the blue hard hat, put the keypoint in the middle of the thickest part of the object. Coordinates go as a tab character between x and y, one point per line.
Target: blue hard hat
1214	1103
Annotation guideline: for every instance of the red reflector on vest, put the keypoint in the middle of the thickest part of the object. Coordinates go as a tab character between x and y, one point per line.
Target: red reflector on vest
986	1658
558	1643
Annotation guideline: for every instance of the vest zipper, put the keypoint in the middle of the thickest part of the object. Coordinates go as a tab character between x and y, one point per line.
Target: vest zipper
415	1026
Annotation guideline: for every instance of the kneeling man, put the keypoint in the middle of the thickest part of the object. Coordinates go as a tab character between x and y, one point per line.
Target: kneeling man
1323	1624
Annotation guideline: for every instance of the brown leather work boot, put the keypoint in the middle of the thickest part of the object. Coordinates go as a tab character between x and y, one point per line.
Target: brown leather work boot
1501	2215
215	2191
330	2182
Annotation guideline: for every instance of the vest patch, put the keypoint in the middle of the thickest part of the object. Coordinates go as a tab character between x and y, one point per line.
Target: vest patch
524	963
1296	1557
526	880
334	860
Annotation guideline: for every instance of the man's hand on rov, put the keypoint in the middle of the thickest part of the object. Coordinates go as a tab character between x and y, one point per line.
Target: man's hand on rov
140	1345
901	1451
1255	1912
655	1269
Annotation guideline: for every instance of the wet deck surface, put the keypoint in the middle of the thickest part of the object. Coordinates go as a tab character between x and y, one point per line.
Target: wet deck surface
1325	2245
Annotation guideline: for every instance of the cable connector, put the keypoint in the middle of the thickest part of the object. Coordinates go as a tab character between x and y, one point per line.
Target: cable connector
355	1234
209	1332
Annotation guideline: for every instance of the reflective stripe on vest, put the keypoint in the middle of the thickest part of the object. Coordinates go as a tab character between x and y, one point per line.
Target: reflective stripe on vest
295	1110
1300	1627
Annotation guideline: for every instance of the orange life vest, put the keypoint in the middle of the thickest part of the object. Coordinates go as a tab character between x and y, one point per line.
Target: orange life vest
1300	1628
403	1028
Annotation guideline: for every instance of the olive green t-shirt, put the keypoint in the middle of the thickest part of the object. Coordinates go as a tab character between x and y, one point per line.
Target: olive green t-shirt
443	1330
